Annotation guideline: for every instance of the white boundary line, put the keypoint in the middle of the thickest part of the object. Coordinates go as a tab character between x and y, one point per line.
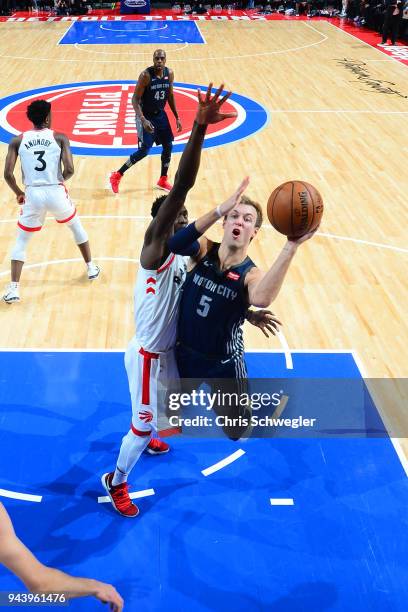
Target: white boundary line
65	33
282	501
104	499
395	441
22	496
223	463
366	43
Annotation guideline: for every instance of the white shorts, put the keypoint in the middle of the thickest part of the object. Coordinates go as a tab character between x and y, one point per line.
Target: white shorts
149	375
39	201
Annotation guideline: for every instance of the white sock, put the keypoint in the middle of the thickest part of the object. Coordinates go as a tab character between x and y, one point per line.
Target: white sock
14	284
131	448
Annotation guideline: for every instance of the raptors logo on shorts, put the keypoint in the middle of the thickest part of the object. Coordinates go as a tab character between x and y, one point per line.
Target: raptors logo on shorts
146	416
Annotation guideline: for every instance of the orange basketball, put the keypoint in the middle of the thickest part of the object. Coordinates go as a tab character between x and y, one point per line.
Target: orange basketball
295	208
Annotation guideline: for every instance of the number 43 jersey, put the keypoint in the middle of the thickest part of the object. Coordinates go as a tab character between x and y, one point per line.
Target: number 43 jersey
213	307
40	157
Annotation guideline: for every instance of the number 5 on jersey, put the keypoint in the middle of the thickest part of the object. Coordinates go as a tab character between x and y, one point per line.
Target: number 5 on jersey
204	305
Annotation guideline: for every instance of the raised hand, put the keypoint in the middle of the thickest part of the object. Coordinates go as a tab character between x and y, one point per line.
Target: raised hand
303	238
233	200
209	107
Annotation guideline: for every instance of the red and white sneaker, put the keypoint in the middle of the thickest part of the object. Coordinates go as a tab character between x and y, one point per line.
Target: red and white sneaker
157	447
114	180
163	183
119	496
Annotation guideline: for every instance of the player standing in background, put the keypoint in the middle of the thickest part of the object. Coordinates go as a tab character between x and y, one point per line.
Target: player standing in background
154	88
39	578
41	152
149	359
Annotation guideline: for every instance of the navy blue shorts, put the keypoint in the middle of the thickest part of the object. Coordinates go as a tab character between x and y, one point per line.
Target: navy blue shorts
192	364
162	130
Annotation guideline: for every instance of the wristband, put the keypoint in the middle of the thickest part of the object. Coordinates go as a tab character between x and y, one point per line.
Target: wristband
218	211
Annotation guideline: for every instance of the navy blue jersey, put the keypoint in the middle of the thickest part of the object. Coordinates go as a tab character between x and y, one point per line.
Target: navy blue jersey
156	94
213	307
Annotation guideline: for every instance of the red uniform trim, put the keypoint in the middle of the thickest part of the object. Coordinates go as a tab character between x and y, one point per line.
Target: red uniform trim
137	432
28	229
147	361
68	218
150	290
162	268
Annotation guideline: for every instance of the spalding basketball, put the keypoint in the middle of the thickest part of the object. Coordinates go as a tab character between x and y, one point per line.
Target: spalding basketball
295	208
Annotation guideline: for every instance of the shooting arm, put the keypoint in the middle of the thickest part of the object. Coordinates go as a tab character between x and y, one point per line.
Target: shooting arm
264	287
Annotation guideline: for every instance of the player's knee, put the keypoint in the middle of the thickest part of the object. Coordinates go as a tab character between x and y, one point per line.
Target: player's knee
76	227
167	149
139	154
18	252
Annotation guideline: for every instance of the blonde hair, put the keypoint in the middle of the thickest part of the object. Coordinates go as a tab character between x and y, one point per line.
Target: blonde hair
259	214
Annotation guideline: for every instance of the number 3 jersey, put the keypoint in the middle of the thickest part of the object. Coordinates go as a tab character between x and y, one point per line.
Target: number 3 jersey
213	307
40	157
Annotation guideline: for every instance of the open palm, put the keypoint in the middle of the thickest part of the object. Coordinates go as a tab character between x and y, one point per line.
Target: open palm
209	107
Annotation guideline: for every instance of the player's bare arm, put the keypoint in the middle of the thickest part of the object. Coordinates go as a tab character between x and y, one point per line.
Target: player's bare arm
172	101
263	287
9	166
155	244
142	82
39	578
66	156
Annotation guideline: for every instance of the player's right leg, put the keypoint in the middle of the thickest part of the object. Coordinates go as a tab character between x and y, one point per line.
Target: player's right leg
31	220
146	141
143	370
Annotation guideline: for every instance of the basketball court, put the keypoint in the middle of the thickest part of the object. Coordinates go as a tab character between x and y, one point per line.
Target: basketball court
281	523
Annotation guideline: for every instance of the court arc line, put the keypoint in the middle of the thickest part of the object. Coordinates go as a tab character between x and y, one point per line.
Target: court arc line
21	496
130	30
132	53
71	260
379	245
286	349
191	59
104	499
223	463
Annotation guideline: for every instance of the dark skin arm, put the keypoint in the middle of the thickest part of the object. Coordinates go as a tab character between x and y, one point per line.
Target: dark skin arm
66	155
172	101
142	82
155	249
9	166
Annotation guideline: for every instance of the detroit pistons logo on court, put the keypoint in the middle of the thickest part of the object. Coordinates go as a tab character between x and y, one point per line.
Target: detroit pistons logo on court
99	119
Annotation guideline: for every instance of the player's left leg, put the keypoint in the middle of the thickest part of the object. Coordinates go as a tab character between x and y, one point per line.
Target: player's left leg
163	182
65	213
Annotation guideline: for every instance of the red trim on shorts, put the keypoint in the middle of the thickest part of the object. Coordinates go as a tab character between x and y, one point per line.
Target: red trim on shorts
147	360
162	268
28	229
68	218
137	432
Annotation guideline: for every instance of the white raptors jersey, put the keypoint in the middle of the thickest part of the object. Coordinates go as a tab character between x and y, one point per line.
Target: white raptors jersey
40	157
157	296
